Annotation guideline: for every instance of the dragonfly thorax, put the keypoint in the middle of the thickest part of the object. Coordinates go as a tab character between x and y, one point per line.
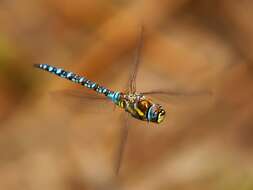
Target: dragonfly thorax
141	107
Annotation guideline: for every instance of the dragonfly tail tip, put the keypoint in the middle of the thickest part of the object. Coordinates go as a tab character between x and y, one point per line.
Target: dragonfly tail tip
36	65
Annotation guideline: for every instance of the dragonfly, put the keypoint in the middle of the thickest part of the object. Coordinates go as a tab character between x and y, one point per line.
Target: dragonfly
136	104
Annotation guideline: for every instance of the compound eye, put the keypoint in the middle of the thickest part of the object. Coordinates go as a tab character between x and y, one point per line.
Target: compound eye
155	113
161	116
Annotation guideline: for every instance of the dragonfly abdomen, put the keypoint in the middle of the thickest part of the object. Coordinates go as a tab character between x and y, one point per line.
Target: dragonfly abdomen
114	96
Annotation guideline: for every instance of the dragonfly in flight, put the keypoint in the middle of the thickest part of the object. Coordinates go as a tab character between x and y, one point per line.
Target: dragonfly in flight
138	105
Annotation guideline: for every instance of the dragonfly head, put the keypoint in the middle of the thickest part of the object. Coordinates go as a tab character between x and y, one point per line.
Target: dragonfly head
156	113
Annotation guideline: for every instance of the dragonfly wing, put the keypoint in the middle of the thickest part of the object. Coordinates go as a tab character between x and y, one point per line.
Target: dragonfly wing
168	94
82	101
131	87
123	141
79	94
135	67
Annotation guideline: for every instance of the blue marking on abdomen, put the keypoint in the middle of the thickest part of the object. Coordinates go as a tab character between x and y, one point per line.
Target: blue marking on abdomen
114	96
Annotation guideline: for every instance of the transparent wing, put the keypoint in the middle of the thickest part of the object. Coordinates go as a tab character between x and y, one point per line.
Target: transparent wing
82	101
133	74
123	141
168	94
131	87
80	94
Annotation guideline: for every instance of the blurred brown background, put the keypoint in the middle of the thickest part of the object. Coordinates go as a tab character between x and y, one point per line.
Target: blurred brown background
53	143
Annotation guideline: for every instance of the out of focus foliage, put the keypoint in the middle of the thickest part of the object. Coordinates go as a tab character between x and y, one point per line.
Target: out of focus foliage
191	45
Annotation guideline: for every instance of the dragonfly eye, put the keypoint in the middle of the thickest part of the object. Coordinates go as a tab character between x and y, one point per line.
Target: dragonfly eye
161	115
156	113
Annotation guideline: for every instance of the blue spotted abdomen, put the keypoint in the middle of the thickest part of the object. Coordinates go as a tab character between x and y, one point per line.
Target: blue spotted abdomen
114	96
